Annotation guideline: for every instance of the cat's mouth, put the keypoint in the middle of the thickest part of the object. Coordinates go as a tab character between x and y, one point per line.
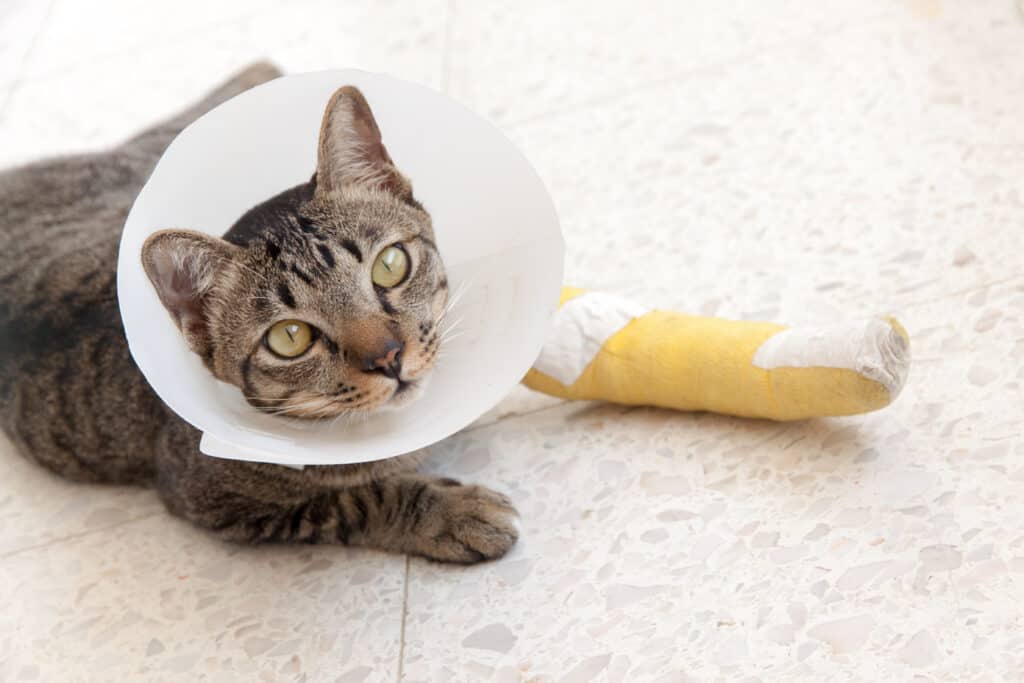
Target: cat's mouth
401	393
374	392
316	406
406	391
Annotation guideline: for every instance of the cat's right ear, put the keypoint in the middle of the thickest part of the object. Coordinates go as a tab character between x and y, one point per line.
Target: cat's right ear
350	152
184	267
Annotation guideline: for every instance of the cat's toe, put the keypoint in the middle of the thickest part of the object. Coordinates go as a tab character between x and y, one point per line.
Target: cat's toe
475	524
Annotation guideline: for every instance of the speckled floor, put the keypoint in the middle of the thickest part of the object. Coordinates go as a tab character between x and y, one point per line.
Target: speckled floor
795	161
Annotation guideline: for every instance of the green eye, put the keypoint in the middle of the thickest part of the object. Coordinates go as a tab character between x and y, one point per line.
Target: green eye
290	338
390	267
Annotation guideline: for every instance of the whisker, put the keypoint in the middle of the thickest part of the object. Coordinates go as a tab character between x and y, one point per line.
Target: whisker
451	327
344	413
265	400
290	407
302	409
449	333
448	338
453	300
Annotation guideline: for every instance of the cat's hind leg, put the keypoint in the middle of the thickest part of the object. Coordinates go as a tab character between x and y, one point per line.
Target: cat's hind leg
156	139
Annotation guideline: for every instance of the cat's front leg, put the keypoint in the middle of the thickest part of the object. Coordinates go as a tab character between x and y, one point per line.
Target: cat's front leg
441	519
408	513
385	504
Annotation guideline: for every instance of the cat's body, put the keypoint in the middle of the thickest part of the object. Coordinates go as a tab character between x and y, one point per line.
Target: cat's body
72	399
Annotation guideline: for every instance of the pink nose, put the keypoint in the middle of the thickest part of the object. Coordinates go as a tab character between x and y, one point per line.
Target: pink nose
387	361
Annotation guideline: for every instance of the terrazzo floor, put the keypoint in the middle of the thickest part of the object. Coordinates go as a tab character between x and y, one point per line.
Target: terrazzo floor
783	160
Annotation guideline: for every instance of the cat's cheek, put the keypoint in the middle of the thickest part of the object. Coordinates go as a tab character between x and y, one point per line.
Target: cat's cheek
374	394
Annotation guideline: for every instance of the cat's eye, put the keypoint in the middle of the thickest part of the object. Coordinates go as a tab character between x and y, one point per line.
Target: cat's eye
290	338
390	267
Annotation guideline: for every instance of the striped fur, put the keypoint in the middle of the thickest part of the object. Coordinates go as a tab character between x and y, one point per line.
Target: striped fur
72	400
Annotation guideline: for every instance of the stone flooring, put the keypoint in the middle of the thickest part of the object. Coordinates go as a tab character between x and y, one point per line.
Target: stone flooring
783	160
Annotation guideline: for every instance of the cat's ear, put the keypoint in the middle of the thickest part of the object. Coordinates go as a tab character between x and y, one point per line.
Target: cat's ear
350	152
184	267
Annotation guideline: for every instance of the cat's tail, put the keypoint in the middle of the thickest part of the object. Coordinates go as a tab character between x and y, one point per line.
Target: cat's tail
156	139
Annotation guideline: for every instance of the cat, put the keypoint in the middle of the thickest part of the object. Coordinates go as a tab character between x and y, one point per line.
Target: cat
325	299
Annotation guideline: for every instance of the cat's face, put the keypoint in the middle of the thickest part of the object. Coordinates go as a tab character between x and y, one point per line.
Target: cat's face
324	300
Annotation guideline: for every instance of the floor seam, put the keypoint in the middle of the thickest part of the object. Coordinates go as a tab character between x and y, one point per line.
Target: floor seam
678	77
405	612
81	534
29	50
446	47
525	413
960	292
182	36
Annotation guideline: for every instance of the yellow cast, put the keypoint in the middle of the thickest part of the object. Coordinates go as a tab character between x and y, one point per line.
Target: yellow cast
751	369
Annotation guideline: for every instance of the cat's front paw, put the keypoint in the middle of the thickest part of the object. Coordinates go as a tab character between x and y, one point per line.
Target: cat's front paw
470	524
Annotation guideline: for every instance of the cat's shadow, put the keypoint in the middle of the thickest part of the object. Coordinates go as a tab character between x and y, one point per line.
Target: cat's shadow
714	440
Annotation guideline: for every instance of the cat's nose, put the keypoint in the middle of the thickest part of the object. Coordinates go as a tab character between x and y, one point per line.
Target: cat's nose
387	360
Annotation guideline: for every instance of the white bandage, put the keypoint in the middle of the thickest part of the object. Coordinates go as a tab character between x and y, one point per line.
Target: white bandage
580	329
873	348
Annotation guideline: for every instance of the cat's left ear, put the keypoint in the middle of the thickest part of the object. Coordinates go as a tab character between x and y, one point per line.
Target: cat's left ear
185	267
350	152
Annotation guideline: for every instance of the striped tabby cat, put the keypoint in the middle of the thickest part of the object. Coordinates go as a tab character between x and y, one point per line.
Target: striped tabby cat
323	300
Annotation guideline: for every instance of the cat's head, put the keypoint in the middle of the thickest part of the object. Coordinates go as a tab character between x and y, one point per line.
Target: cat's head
325	299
